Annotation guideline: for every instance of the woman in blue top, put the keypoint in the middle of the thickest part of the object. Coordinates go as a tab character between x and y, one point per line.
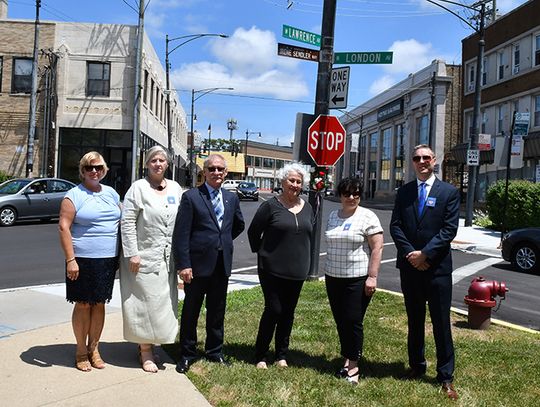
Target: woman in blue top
89	220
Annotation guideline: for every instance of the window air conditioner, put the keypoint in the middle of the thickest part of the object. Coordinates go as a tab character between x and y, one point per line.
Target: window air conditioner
515	70
471	86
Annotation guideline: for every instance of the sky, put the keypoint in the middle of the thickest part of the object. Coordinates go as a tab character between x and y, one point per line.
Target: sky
269	90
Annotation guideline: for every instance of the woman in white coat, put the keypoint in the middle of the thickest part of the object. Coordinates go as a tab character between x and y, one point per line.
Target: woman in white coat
148	281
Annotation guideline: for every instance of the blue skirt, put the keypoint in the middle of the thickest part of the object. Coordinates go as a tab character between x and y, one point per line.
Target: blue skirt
95	282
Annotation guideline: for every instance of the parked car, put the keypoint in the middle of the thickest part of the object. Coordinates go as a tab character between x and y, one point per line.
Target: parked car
231	184
521	247
247	190
31	198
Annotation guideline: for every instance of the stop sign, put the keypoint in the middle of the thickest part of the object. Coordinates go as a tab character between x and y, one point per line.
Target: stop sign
326	140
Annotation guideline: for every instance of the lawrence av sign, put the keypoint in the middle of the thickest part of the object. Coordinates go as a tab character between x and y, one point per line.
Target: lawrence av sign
326	140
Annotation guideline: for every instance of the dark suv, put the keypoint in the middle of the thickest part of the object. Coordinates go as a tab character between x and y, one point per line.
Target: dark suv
247	190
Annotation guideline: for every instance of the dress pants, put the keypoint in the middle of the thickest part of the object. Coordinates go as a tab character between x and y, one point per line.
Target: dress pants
419	287
280	300
349	303
214	288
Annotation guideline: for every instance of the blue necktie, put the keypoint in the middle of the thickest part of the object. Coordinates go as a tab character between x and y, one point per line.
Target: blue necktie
218	206
421	198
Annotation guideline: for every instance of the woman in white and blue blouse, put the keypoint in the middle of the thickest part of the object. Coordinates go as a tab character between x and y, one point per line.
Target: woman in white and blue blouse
355	242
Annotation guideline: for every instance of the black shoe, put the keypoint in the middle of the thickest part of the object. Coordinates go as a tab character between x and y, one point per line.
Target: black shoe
218	359
182	366
342	373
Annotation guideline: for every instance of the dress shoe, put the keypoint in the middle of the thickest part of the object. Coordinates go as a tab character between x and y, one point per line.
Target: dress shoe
182	366
448	389
413	374
218	359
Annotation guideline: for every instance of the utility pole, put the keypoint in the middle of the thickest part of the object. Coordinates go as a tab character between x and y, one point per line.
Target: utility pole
322	96
137	96
33	98
432	117
473	142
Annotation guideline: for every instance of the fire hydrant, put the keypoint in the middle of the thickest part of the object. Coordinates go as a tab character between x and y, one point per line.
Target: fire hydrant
481	299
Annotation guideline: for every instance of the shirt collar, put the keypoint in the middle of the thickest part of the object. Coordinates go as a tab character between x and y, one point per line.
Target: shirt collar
210	189
429	182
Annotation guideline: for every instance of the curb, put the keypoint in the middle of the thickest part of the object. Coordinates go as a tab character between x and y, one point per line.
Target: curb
472	248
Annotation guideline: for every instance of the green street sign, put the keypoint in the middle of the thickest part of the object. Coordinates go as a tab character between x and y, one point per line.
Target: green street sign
300	35
363	57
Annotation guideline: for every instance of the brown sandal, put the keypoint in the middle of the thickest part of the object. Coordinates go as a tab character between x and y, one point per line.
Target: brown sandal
95	360
82	363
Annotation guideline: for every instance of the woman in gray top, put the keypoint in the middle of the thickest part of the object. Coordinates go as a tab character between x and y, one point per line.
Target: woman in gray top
280	234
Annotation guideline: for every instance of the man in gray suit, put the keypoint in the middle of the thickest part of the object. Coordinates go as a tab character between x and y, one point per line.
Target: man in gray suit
208	220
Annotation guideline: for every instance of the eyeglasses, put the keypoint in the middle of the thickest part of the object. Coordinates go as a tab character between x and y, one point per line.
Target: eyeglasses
426	158
89	168
355	195
213	169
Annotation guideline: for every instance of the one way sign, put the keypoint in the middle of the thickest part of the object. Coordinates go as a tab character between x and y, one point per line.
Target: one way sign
339	87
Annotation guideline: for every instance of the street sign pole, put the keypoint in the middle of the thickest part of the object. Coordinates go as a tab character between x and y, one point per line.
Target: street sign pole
322	97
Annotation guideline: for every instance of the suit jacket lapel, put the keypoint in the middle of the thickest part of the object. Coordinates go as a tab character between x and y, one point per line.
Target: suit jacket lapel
205	196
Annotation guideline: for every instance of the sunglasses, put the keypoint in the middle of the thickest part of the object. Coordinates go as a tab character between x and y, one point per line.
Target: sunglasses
89	168
355	195
213	169
426	158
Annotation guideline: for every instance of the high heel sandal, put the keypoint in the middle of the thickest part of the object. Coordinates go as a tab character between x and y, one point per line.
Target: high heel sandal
148	364
95	359
353	378
82	363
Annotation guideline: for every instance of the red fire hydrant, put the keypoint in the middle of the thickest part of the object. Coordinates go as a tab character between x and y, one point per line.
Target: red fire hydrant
481	299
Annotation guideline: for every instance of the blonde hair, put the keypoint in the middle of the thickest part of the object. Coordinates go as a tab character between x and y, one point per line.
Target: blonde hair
87	160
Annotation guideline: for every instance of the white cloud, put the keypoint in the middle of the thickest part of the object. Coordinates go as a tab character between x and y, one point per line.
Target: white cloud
247	62
381	84
410	56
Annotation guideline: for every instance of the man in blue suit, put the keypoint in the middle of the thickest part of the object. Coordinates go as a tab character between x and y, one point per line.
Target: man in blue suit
208	220
424	223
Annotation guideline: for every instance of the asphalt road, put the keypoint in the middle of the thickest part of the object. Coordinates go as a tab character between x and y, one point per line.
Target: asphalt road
30	255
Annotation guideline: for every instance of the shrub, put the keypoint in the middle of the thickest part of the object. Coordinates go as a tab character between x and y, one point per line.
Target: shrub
522	208
481	218
4	176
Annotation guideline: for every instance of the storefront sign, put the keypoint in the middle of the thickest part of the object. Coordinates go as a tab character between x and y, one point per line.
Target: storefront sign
389	110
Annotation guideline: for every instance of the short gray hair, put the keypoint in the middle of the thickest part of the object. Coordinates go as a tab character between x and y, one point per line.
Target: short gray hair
283	172
153	151
212	157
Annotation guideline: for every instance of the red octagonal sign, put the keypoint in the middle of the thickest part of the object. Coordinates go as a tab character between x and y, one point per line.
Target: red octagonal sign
326	140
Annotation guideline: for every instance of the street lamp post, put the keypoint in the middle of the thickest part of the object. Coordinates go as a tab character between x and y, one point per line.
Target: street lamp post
479	7
192	168
248	133
186	38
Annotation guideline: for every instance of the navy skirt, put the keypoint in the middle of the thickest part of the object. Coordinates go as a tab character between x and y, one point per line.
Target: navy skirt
95	282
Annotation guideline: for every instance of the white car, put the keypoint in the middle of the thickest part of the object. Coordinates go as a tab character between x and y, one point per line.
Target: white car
231	184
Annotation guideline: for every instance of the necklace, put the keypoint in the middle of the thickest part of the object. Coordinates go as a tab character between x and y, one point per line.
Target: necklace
287	204
158	187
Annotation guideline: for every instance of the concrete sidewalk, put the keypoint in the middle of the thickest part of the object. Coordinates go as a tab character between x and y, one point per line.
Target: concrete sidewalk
474	239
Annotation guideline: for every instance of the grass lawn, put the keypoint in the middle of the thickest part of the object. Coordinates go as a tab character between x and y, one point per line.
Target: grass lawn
496	367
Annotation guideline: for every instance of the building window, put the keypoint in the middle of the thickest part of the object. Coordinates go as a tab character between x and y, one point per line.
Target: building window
22	75
484	70
373	147
268	163
151	106
422	129
537	111
362	156
471	77
145	89
99	79
515	59
279	164
257	161
500	67
385	158
399	157
500	119
536	49
484	122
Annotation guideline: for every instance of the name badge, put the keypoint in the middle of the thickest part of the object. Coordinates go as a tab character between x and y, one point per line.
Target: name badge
346	226
431	202
171	200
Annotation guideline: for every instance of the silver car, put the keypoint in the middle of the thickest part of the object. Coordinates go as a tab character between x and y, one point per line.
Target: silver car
31	198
